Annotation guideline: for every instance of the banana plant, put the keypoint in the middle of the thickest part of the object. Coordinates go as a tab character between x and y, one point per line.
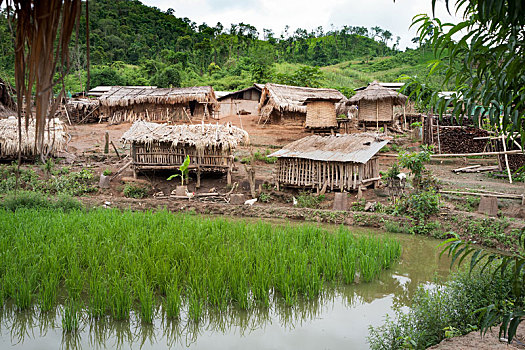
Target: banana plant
184	170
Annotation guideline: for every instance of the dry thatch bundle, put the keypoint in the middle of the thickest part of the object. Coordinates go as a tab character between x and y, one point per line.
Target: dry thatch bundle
127	96
375	92
225	137
285	98
43	30
356	148
54	137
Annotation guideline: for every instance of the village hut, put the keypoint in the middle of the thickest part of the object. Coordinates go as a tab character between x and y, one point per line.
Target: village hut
7	104
239	102
131	103
54	138
341	162
284	103
376	104
161	146
321	110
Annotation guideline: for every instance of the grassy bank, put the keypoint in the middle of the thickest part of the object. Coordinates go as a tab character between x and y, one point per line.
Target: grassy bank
111	262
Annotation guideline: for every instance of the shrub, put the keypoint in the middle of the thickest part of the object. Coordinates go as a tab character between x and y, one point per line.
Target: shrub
135	191
27	199
419	205
265	197
107	172
435	311
308	200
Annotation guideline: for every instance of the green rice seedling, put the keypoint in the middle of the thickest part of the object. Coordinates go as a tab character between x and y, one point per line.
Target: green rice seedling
146	301
120	299
71	317
111	259
195	308
172	302
47	295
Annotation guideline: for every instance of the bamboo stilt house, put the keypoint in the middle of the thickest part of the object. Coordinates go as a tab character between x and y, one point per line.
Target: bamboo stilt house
338	162
284	103
54	138
122	103
161	146
376	104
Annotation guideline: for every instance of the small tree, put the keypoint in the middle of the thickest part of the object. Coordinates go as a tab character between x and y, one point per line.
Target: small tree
415	163
184	170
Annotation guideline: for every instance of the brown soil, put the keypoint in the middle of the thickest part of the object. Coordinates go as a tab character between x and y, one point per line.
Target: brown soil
490	341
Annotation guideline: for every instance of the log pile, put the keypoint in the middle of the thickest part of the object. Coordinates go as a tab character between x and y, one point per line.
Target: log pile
82	111
461	140
516	161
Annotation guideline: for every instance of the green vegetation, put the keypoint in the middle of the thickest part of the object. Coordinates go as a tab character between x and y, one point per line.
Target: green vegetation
184	171
133	44
443	311
111	262
309	200
26	199
482	57
135	191
53	181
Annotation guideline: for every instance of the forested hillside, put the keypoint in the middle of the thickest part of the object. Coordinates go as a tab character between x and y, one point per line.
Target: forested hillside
133	44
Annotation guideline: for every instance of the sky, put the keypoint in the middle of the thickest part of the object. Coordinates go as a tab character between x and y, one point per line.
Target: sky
308	14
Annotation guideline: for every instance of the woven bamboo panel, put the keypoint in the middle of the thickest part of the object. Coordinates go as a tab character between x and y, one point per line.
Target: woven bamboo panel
337	175
163	155
370	112
320	114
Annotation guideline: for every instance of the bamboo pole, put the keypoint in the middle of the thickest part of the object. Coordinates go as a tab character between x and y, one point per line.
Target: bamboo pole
461	154
507	196
506	157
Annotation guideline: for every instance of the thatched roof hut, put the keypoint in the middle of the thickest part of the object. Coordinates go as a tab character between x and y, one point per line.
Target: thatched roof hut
288	102
245	101
123	103
7	104
161	146
343	161
54	138
376	103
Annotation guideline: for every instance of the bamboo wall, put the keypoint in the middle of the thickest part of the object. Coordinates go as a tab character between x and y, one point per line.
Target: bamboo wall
287	118
341	176
155	112
163	156
320	114
373	111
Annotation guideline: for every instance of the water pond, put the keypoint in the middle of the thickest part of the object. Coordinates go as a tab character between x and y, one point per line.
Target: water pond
339	319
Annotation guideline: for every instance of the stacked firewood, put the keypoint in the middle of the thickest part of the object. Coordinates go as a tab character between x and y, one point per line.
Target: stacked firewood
516	161
461	140
82	111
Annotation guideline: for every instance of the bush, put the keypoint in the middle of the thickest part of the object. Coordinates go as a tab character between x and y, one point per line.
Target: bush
135	191
308	200
419	205
27	199
434	312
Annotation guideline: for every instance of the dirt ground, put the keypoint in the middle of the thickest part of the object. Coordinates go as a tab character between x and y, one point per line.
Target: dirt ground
490	341
86	145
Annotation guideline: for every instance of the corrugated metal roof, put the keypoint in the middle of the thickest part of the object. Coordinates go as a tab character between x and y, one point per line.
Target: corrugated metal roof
356	148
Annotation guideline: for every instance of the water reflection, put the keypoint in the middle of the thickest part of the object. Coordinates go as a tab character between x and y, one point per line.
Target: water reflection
309	317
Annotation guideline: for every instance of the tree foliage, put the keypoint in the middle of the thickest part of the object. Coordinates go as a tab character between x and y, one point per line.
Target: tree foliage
483	56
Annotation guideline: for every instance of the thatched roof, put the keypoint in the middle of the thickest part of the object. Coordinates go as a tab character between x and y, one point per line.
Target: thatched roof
7	104
375	92
54	137
124	96
357	148
286	98
199	135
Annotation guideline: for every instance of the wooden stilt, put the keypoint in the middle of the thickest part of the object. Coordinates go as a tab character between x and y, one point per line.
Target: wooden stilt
198	185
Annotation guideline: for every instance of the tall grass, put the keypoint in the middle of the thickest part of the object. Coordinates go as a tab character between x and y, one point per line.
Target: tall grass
117	262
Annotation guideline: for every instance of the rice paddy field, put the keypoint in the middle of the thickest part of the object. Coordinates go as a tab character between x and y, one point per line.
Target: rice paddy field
184	274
